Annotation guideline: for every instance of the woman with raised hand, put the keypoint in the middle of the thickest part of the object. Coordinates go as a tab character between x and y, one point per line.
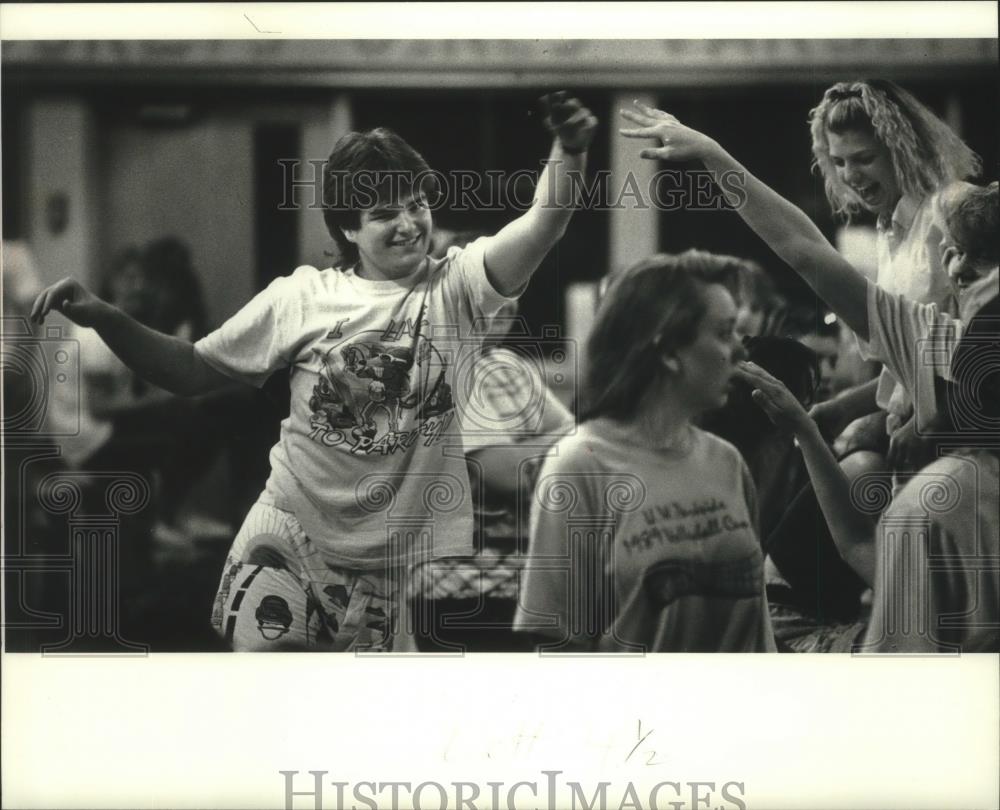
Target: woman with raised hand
373	347
643	533
865	308
880	150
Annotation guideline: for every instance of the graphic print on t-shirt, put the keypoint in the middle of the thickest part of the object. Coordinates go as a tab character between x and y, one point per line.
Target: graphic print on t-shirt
722	567
370	381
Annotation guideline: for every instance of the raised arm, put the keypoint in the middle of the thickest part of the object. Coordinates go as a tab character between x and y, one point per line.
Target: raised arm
785	227
163	360
853	531
513	255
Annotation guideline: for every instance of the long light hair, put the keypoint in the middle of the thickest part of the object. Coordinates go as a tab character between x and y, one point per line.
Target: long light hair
926	154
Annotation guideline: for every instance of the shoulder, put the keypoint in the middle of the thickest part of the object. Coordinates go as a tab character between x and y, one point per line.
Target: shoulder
470	257
582	450
958	484
304	285
717	448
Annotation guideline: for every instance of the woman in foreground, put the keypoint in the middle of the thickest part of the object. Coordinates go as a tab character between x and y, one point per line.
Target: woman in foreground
643	537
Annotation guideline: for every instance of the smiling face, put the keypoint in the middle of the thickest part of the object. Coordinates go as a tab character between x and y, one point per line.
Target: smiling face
393	238
864	165
705	366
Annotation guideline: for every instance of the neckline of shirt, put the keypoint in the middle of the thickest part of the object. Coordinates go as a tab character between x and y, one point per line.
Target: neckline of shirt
619	433
903	214
390	286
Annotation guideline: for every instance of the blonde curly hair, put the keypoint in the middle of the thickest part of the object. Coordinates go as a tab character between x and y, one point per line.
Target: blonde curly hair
926	154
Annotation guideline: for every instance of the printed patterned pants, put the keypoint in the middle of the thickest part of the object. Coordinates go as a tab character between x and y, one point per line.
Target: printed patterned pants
276	593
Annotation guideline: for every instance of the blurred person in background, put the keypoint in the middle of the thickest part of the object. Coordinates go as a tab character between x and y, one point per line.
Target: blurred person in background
822	334
668	558
170	439
762	309
370	350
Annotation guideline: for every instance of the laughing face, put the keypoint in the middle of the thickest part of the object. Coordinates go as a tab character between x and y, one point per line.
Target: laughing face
864	165
393	237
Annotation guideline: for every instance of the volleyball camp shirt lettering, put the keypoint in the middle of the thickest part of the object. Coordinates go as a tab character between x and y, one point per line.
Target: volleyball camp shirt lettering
670	534
375	399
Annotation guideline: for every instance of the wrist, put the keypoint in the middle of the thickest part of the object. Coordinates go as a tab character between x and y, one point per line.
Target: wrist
573	151
715	157
806	430
105	315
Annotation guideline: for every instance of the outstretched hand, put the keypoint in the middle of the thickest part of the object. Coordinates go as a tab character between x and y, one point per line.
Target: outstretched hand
677	142
569	121
70	298
774	398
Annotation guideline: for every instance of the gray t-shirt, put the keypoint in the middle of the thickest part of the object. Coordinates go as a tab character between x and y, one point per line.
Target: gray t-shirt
370	458
646	549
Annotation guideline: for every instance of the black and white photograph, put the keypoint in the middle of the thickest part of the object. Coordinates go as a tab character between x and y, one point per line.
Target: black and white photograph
545	361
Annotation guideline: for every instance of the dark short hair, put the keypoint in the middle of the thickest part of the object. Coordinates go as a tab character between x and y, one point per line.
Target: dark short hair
659	299
362	169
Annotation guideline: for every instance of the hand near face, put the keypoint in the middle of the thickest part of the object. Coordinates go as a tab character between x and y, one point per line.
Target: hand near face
676	141
569	121
774	398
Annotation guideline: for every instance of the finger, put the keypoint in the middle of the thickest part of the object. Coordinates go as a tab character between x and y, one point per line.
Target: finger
764	403
652	111
561	113
663	153
756	375
638	118
575	120
550	103
44	305
640	132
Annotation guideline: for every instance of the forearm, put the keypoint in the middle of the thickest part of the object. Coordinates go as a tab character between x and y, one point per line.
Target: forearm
858	401
518	249
797	240
165	361
108	403
852	531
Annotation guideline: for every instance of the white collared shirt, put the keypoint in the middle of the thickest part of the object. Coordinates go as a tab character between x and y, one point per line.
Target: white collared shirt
909	264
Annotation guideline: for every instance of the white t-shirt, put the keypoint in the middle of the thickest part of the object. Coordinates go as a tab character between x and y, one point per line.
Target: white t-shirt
667	536
916	342
910	265
370	458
